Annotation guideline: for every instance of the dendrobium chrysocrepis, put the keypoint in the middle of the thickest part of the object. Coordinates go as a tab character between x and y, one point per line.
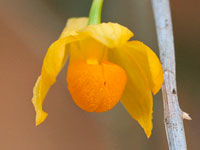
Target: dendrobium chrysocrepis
104	67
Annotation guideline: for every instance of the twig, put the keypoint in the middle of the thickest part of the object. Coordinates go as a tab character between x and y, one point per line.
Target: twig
173	115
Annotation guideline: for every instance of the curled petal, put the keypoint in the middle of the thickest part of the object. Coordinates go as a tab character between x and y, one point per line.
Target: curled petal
54	60
37	101
137	97
110	34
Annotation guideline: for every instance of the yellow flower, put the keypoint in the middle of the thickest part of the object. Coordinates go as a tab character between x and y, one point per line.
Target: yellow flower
104	67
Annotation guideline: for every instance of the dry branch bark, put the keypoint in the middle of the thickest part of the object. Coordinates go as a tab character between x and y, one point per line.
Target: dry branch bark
173	115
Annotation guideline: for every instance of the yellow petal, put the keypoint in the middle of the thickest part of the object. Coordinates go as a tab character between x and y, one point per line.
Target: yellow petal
53	62
148	63
110	34
73	25
137	97
88	49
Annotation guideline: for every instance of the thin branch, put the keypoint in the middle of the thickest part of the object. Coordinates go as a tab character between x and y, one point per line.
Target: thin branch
173	115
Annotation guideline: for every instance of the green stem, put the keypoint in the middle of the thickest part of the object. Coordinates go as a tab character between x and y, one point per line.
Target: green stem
95	12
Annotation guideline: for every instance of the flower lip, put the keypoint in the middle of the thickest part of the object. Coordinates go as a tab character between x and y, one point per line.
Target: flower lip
95	88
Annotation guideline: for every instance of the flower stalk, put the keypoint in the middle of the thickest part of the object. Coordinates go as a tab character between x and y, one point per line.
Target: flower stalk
95	12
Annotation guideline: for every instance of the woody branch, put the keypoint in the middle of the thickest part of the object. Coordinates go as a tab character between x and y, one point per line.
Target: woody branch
173	115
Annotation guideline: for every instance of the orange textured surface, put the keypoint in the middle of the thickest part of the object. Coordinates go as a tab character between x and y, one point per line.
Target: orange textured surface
95	88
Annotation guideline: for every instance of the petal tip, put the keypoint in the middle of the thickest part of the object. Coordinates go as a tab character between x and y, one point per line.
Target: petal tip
40	118
147	125
148	132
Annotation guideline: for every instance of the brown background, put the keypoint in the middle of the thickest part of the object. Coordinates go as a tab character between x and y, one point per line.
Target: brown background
28	27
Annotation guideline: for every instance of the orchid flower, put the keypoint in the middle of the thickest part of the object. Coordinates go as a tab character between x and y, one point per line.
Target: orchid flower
104	68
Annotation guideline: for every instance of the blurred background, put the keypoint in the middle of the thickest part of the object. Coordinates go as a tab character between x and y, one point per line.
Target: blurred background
28	27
